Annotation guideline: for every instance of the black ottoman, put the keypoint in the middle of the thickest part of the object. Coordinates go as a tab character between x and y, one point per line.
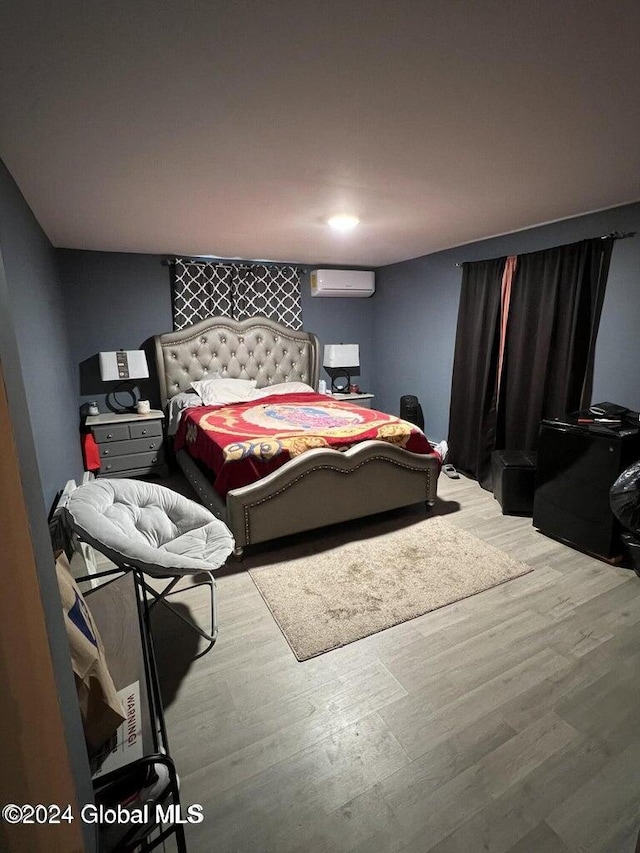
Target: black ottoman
513	473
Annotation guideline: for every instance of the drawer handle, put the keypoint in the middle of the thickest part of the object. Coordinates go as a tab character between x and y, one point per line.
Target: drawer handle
109	435
152	446
155	459
105	452
144	432
107	467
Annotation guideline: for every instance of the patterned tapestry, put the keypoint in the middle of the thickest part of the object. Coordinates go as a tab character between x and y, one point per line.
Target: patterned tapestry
203	289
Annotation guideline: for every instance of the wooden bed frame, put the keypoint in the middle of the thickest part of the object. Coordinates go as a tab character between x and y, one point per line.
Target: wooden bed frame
317	488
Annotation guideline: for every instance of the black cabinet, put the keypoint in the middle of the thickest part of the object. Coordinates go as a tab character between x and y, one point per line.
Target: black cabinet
577	465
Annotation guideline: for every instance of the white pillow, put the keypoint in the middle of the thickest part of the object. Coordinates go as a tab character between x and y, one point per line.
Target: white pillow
219	390
177	404
282	388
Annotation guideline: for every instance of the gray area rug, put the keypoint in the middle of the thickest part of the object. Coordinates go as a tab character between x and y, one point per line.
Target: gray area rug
327	599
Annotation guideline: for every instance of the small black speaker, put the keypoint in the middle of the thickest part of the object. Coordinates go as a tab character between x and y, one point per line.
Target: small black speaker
411	410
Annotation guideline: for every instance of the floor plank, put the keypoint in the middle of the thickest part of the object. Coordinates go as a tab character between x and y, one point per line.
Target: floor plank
506	722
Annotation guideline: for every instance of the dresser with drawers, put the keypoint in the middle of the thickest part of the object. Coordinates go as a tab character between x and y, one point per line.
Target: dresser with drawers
130	445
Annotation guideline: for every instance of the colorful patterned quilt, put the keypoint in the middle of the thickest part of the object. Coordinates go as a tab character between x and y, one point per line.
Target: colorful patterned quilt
242	442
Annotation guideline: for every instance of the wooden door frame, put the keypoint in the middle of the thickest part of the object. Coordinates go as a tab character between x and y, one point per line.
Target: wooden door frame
42	742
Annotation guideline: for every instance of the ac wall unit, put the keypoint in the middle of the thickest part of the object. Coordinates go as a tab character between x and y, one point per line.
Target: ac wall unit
342	283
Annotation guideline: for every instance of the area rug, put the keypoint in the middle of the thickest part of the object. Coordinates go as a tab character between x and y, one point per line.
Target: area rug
329	598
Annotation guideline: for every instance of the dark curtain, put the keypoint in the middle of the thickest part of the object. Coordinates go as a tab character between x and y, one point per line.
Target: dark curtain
550	329
556	303
472	415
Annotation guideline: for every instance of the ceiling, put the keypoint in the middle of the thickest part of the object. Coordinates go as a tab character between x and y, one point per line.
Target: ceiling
234	129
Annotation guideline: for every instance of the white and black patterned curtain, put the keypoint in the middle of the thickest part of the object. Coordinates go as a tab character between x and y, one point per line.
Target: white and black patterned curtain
201	289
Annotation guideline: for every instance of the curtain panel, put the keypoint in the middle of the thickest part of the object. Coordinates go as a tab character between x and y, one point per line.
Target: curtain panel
200	289
556	303
525	348
472	415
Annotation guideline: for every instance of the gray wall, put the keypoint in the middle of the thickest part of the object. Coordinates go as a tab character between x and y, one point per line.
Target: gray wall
416	309
119	301
406	331
342	320
115	301
33	355
40	325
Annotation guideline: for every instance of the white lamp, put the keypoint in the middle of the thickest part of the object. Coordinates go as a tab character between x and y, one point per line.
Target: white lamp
340	362
123	364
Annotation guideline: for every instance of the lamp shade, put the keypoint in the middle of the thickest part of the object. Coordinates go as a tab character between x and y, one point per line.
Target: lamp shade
341	355
123	364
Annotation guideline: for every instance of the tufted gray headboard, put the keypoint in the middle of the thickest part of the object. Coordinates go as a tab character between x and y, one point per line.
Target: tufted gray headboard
257	348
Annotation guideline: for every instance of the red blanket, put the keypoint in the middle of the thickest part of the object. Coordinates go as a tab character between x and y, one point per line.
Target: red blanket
243	442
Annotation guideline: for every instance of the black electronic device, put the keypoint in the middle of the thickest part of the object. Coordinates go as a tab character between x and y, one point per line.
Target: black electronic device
411	410
608	410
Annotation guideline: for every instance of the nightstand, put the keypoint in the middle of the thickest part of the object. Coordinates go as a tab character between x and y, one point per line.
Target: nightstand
361	399
130	445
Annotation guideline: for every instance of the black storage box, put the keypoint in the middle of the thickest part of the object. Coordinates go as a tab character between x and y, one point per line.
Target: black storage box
513	474
577	466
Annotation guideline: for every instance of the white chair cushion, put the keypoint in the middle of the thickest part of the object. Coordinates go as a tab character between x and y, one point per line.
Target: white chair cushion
149	527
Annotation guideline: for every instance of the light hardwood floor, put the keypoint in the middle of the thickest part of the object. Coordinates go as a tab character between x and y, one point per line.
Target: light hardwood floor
508	722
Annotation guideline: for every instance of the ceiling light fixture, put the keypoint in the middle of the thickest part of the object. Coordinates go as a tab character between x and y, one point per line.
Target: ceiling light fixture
343	222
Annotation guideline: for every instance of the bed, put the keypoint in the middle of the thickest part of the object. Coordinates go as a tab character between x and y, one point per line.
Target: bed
313	489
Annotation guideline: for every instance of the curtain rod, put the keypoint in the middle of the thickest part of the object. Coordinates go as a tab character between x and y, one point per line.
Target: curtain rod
243	265
615	235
